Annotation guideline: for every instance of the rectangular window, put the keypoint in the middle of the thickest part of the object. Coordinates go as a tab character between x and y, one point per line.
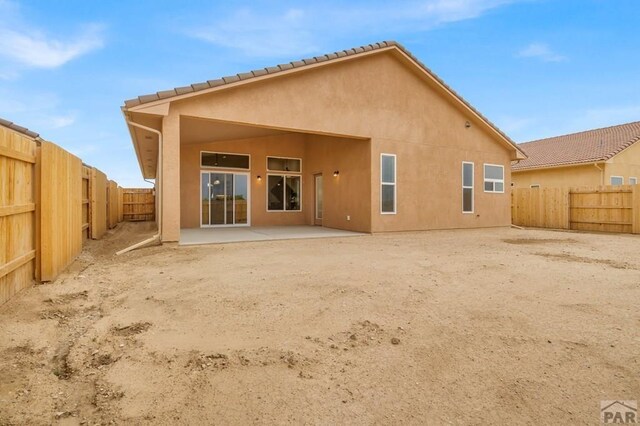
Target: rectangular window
467	187
224	160
617	180
633	181
387	184
283	193
493	178
280	164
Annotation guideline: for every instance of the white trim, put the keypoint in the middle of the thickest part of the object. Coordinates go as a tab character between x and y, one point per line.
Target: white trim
226	168
619	177
472	187
494	181
284	205
635	180
282	158
209	171
394	184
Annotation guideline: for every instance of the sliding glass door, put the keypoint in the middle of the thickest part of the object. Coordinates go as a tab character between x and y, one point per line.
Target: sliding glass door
225	199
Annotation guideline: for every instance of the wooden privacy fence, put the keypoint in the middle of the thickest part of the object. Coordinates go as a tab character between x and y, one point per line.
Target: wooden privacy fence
59	210
138	204
50	203
17	212
602	208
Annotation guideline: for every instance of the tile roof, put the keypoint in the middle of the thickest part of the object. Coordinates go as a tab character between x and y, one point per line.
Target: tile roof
196	87
578	148
19	129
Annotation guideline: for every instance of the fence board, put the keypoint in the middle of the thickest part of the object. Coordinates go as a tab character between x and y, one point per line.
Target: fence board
120	204
60	218
98	202
86	202
602	208
112	204
17	204
138	204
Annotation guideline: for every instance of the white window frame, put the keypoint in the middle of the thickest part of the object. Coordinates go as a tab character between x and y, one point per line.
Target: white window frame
484	170
284	176
472	187
283	158
619	177
394	184
634	179
225	168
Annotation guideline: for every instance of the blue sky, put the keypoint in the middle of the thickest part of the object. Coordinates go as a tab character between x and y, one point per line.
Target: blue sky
536	68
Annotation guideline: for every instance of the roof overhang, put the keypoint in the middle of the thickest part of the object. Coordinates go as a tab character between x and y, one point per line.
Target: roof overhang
559	166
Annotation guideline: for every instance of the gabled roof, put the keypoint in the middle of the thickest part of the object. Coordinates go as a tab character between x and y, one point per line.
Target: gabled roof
181	92
590	146
19	129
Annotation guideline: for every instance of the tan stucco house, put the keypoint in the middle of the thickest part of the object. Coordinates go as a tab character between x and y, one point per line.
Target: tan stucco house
607	156
366	139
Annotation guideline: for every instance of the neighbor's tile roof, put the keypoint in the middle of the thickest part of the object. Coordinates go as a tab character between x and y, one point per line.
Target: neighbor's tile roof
196	87
19	129
577	148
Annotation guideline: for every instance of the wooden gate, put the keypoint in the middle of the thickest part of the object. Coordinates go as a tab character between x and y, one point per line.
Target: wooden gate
138	204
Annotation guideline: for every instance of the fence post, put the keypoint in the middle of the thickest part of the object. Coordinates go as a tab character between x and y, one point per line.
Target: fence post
635	210
566	197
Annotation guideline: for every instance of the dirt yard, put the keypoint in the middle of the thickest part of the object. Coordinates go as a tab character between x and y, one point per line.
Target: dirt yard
465	327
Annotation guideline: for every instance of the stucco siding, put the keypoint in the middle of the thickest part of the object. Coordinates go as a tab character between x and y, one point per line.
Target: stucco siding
383	102
625	164
584	175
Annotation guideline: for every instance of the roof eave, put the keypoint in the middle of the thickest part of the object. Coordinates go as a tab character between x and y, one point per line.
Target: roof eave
141	107
559	166
136	146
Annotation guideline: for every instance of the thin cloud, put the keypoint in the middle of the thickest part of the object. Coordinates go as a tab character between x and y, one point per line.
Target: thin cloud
443	11
60	121
26	46
541	51
39	51
299	31
257	35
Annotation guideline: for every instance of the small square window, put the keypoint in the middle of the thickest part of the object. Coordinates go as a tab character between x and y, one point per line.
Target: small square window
493	178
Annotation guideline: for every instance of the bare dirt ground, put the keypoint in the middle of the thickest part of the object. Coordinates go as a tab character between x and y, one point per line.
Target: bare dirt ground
465	327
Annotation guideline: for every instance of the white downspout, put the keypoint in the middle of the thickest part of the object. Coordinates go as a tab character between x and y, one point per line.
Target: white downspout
601	173
158	236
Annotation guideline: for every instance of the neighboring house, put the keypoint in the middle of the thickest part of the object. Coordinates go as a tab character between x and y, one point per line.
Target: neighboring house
608	156
366	139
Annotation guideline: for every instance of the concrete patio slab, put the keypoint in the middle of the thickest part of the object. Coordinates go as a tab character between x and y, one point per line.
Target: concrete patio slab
258	233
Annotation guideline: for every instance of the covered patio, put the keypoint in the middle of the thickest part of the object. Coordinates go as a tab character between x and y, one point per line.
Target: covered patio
196	236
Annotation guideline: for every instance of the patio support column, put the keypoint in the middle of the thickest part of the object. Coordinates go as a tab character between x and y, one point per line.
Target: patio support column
171	177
